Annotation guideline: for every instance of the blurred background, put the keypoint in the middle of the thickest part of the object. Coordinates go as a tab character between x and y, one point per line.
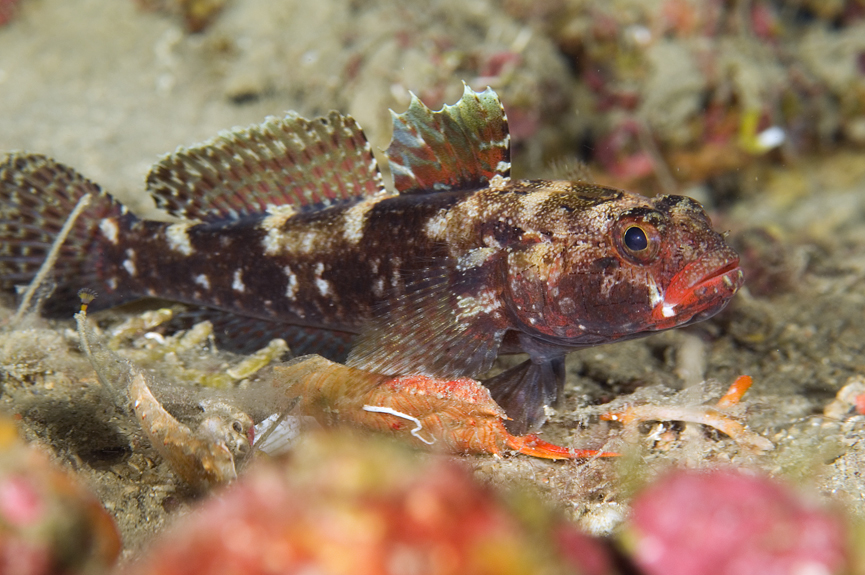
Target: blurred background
655	96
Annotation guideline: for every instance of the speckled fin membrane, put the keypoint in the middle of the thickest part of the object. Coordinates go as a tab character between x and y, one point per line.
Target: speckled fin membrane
459	147
422	332
288	161
37	195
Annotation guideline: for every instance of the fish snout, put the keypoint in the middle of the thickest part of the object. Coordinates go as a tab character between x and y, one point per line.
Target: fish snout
700	289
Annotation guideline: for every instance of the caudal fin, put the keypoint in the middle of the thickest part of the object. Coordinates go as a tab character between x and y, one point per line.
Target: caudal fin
37	195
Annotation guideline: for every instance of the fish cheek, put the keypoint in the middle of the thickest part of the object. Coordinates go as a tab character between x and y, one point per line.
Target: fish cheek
577	303
604	299
527	287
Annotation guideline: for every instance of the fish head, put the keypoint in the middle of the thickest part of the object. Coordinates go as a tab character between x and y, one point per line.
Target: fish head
697	271
618	268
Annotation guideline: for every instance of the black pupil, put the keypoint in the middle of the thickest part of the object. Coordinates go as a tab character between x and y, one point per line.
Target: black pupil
635	239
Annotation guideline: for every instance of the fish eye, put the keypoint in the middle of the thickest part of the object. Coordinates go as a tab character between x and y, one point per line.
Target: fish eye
637	239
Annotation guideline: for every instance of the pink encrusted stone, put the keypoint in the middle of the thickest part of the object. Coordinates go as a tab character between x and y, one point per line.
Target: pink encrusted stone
726	522
8	9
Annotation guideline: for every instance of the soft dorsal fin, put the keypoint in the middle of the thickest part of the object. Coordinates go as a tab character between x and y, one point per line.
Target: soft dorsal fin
282	161
459	147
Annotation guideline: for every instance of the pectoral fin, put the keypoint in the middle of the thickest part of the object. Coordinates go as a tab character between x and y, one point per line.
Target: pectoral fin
439	327
523	391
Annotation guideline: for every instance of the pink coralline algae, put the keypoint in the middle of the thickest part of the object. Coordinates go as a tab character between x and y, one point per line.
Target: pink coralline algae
7	10
726	522
340	505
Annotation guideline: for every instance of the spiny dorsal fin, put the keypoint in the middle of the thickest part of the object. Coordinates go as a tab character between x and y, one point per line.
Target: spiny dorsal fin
283	161
459	147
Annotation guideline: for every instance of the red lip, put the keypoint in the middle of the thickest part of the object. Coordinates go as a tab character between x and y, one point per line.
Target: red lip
702	287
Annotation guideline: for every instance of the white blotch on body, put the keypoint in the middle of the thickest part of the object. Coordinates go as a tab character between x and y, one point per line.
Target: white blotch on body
291	288
531	204
237	282
378	287
202	280
129	262
310	239
475	258
436	226
322	284
354	218
273	225
108	227
178	238
486	303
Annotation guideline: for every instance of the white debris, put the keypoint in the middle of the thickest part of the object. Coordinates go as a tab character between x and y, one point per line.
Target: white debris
283	437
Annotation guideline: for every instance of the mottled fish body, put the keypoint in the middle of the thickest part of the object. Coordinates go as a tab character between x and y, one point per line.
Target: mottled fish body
287	223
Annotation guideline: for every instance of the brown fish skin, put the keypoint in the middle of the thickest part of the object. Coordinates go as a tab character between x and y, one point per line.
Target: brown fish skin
288	223
306	272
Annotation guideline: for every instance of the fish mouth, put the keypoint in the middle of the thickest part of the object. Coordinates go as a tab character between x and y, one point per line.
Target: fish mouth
700	290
